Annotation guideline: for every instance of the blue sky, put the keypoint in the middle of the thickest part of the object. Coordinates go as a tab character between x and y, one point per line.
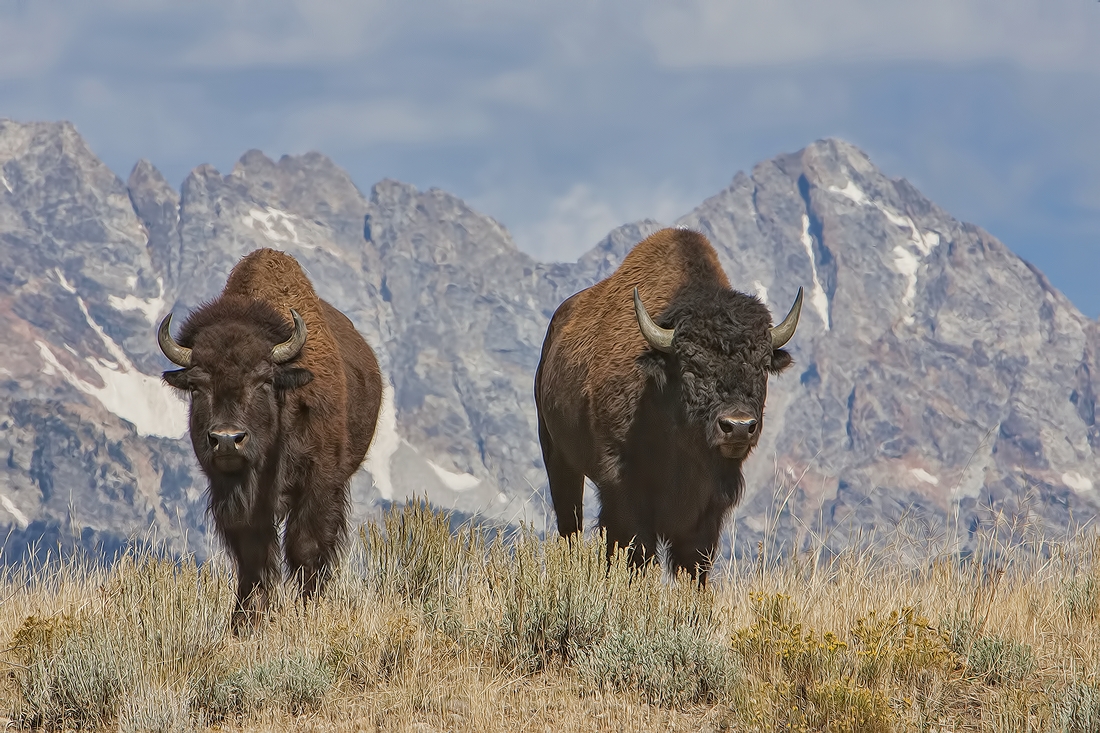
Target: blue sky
564	119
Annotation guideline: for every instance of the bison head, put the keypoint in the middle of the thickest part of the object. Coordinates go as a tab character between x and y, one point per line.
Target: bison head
715	354
237	360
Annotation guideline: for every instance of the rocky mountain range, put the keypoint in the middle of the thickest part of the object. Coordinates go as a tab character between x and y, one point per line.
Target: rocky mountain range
938	376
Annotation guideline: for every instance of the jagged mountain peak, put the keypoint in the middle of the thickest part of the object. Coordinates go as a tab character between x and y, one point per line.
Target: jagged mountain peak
146	175
935	371
310	184
400	209
609	252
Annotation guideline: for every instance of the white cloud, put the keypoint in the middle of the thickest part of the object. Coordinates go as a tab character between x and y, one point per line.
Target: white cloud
235	34
579	218
253	33
562	118
743	33
33	38
379	121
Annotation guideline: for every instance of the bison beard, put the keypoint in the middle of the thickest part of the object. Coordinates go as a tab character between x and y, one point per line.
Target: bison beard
660	414
281	417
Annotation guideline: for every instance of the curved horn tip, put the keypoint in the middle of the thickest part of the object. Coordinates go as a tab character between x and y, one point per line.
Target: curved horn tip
657	337
293	346
782	333
178	355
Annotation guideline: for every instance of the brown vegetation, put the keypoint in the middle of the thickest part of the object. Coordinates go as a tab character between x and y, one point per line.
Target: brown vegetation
425	629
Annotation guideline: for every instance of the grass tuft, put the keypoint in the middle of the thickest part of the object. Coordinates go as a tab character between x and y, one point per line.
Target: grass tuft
432	627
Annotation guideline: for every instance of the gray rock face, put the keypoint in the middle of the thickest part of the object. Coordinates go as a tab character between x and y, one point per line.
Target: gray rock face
935	369
936	373
83	425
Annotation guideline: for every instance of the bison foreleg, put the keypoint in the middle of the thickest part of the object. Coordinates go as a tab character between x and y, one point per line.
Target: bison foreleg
256	553
315	530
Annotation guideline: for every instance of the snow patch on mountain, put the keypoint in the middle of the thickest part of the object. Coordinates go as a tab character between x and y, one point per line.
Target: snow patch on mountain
818	299
151	307
384	444
455	481
275	224
924	242
924	476
761	291
128	393
1076	481
906	264
12	509
851	191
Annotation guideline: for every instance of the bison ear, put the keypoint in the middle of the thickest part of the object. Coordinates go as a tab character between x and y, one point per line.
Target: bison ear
290	378
781	359
654	365
177	378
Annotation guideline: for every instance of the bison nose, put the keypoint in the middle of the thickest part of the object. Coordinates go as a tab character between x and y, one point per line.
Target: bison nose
740	427
227	442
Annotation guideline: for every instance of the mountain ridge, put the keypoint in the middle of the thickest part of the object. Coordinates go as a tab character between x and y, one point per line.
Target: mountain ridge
928	357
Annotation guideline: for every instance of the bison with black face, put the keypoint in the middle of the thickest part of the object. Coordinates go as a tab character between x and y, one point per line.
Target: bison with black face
284	399
659	414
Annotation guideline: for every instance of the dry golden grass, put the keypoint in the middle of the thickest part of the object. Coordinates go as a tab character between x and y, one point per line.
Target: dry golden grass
425	629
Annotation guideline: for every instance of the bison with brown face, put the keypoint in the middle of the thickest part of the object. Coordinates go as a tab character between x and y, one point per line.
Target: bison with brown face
659	414
284	399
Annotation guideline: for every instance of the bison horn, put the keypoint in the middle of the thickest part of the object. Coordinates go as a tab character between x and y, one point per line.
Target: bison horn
178	355
289	349
657	337
782	333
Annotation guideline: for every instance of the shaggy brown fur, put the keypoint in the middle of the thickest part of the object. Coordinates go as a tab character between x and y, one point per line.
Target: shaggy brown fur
641	423
309	421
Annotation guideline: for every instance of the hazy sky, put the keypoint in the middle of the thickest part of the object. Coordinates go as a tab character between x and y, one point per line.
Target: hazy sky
565	118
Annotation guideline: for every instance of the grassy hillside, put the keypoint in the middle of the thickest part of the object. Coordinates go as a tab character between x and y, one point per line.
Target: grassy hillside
428	630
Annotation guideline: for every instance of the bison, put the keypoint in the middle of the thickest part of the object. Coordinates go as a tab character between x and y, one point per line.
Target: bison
659	414
284	397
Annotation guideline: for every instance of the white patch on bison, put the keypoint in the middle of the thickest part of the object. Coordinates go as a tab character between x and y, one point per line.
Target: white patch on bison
924	476
151	307
1076	481
455	481
818	299
131	395
5	182
385	443
20	517
761	291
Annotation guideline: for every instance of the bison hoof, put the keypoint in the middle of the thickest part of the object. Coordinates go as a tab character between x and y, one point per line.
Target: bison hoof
244	621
